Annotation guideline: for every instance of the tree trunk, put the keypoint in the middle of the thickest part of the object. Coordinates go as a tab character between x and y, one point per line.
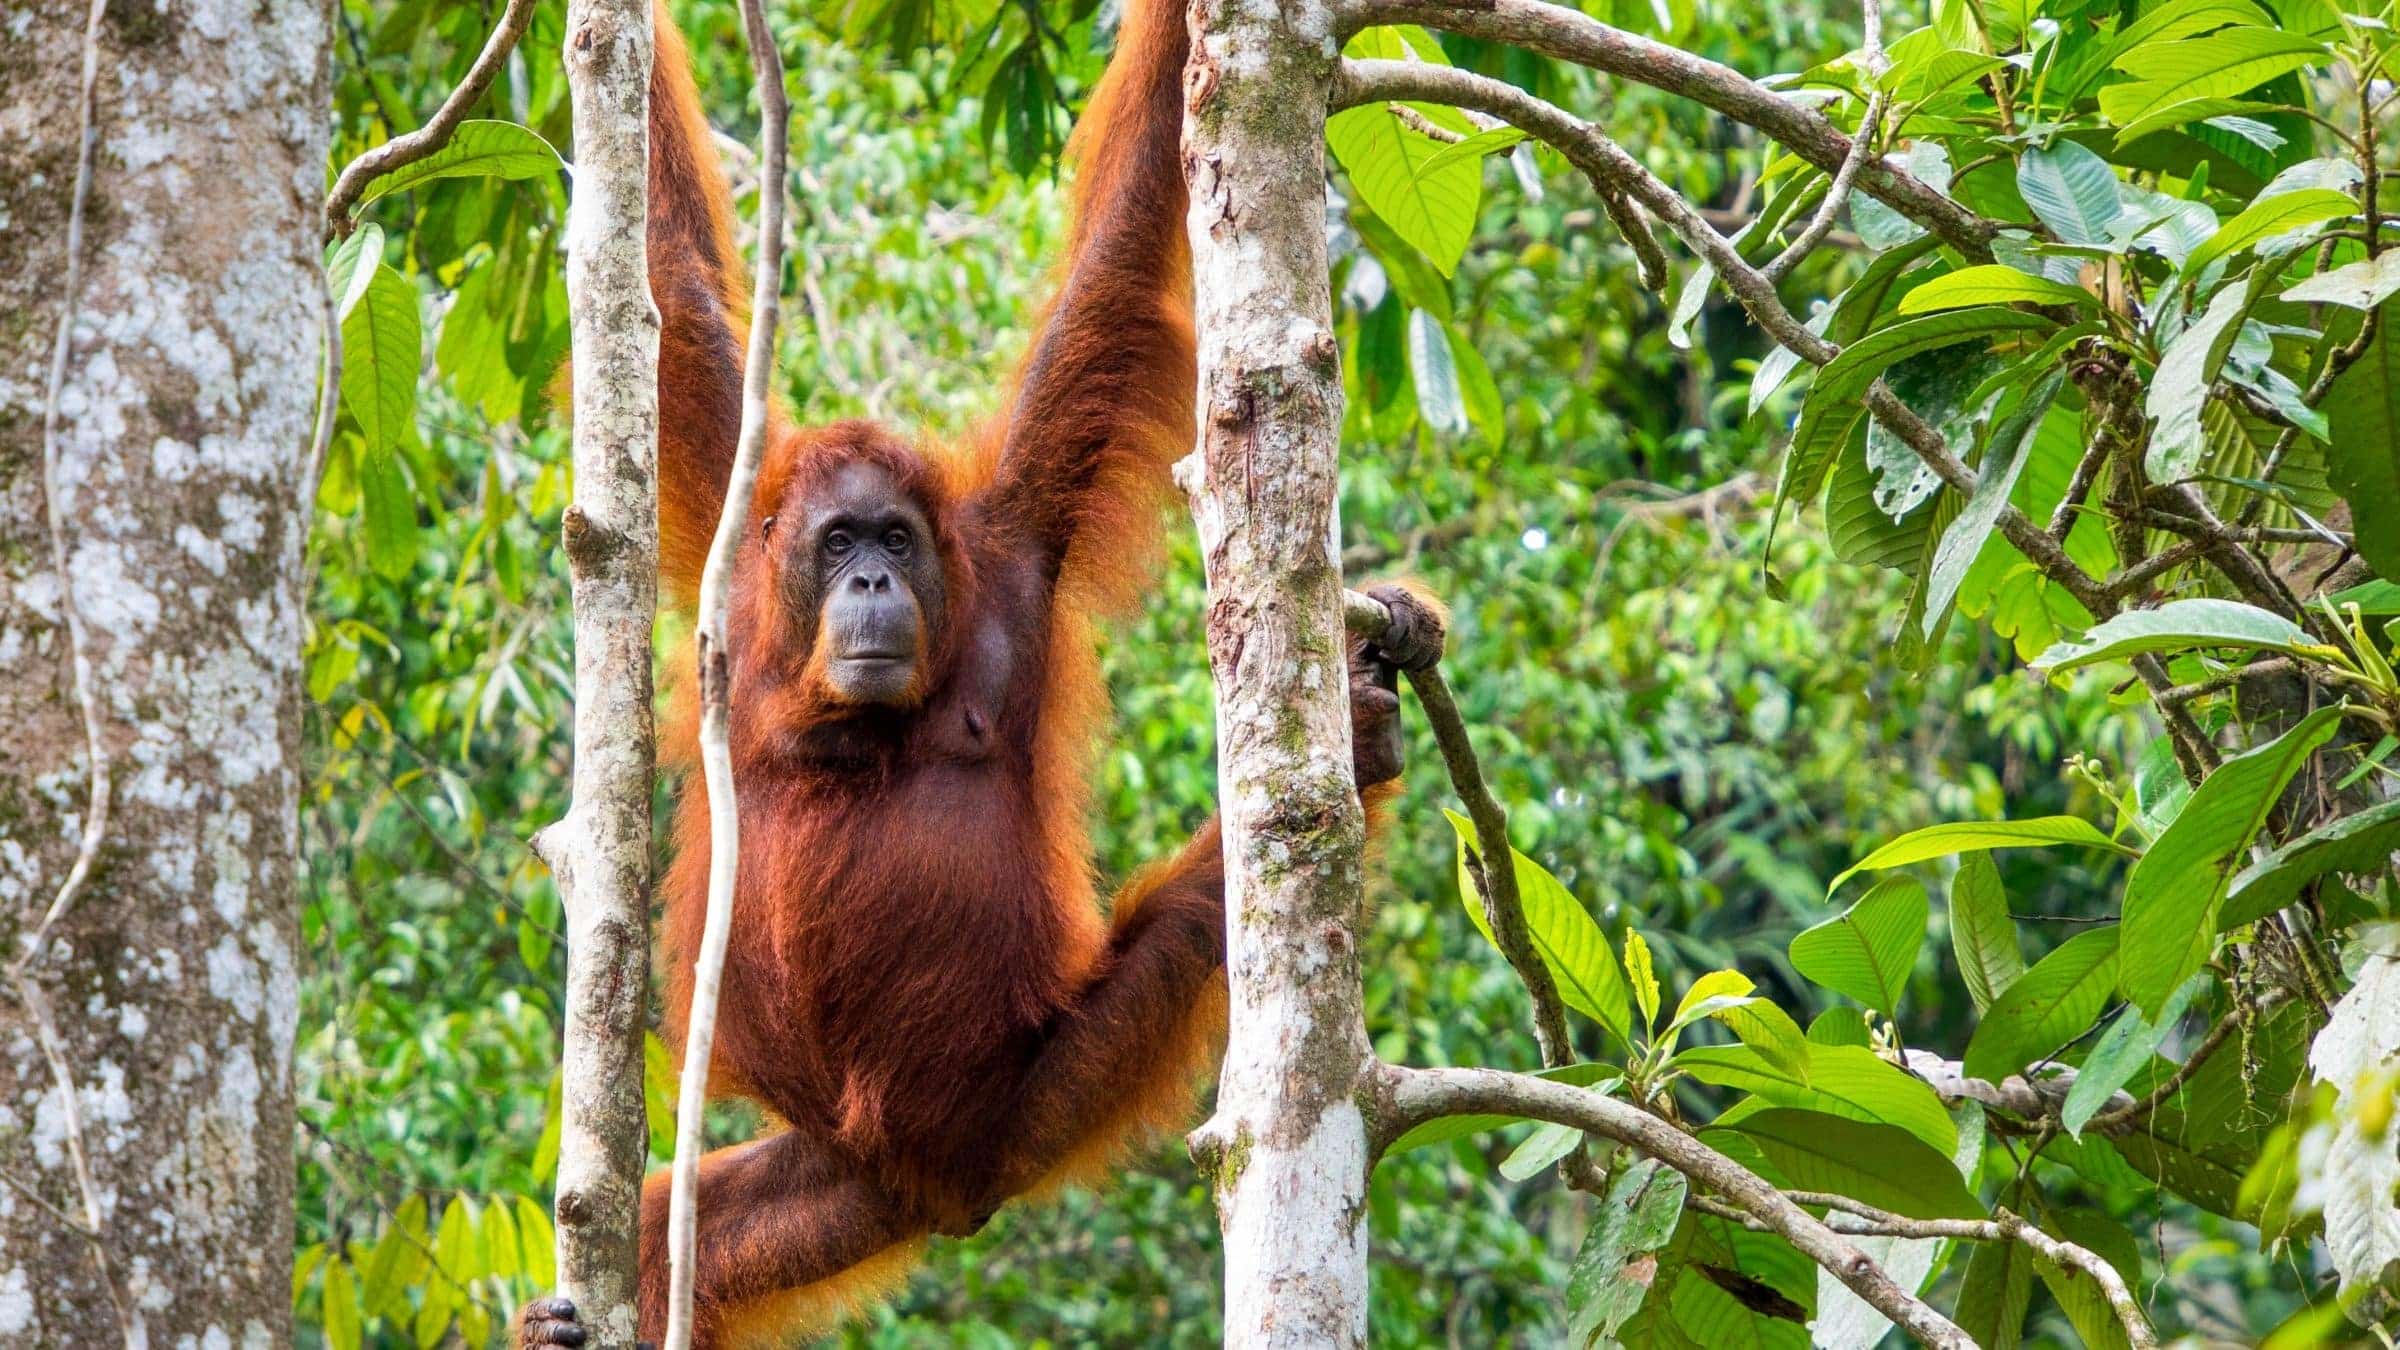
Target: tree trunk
1288	1144
601	852
176	445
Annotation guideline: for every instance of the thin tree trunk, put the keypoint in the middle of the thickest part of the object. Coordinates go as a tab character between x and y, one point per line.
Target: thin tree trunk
161	311
601	852
1288	1144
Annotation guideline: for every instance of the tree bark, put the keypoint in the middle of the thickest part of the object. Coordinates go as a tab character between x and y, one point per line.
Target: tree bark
600	853
166	467
1288	1144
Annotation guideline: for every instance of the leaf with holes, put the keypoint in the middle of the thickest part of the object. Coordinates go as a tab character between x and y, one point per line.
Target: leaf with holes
1614	1268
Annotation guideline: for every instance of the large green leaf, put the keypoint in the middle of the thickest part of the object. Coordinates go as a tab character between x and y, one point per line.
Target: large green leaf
1851	1081
2178	393
342	1320
2360	285
2363	408
387	514
1982	935
2364	842
1564	934
1612	1272
2285	211
1883	1165
2177	626
1833	410
1976	836
2047	1007
1868	950
1998	1288
1439	398
2172	895
2122	1051
478	149
2013	446
1991	284
1402	174
2220	65
2072	190
2078	1293
382	349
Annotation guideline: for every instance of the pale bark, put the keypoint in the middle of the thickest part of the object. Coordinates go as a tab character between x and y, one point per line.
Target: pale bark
1288	1144
601	852
716	750
167	473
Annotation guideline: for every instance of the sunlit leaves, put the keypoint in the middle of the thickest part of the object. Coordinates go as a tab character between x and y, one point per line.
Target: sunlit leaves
478	149
1868	950
382	348
1393	166
1883	1165
1851	1081
2233	61
1563	933
2181	625
1990	284
2046	1007
1975	836
2270	216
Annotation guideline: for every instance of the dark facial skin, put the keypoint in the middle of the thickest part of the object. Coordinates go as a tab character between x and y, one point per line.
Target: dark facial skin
862	575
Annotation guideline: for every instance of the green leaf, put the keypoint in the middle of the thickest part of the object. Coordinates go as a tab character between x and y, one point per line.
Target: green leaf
1768	1030
1867	951
1475	148
478	149
2360	285
1433	208
1833	410
1612	1272
1977	836
1705	991
1998	1288
502	1253
2177	626
2363	407
388	511
1991	284
2220	65
1883	1165
1850	1081
1441	1131
1479	390
2179	391
342	1320
537	1244
1563	932
1641	976
382	350
2072	191
1439	401
1548	1143
1982	935
2079	1295
2364	842
397	1263
2270	216
455	1249
2012	448
2173	893
345	279
2121	1052
660	1087
2046	1007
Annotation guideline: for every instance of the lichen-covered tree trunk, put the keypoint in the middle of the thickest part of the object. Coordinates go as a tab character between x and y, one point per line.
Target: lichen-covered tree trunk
179	435
1288	1143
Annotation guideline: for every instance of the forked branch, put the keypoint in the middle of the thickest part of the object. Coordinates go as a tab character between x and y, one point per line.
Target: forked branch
425	140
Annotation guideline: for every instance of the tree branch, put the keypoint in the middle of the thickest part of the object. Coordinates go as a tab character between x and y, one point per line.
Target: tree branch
1409	1097
1557	31
709	641
436	133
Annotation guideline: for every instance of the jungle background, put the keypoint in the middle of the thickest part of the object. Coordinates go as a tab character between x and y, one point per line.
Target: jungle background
1687	753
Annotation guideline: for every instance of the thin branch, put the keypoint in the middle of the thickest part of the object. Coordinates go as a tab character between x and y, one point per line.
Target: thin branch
1557	31
716	753
2117	1119
2226	679
1851	1218
2026	1098
425	140
94	1228
79	655
1412	1096
1869	128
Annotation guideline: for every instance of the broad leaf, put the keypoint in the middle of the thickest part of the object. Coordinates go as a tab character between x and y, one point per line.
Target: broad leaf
2178	393
1982	935
2122	1051
1439	400
1613	1270
2072	191
2221	65
2360	285
342	1320
383	348
2012	448
1991	284
2046	1007
2364	842
478	149
1850	1081
1389	164
1867	951
2363	407
1883	1165
1548	1143
2269	216
2172	895
1563	932
387	515
2177	626
1976	836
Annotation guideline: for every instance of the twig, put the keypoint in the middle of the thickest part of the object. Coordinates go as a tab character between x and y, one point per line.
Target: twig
1409	1097
2117	1119
94	1228
95	815
1852	1218
1503	907
2028	1098
716	754
2226	679
1557	31
425	140
1422	125
1869	128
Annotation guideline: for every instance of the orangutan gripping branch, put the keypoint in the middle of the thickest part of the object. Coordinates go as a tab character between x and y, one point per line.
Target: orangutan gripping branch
920	985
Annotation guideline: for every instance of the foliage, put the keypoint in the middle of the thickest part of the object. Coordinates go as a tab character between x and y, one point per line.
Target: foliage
1686	759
